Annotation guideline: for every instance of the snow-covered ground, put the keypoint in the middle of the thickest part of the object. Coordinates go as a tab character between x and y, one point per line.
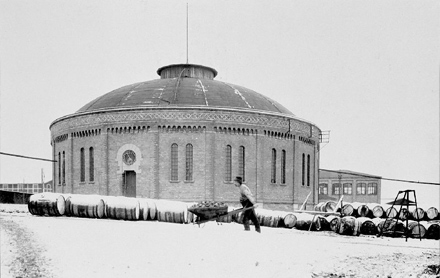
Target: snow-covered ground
33	246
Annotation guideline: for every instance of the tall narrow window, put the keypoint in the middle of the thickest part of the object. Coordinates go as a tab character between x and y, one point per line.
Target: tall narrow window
91	164
83	166
303	169
59	168
174	162
273	172
228	163
241	163
64	168
189	162
283	167
308	170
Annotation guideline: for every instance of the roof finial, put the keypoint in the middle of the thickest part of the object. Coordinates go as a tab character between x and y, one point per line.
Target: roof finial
187	32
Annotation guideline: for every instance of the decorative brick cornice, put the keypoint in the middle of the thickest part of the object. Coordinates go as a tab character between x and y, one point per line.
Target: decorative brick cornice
229	117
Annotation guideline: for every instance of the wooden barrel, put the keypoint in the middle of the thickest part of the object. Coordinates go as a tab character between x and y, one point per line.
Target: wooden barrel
144	211
328	206
392	227
347	209
376	210
90	206
362	210
349	226
289	220
367	226
303	221
46	203
267	218
122	208
334	222
432	213
227	218
418	214
416	230
433	230
320	223
172	211
404	214
377	222
190	218
391	212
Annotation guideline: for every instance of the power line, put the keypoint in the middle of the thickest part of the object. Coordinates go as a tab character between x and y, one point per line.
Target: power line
377	177
28	157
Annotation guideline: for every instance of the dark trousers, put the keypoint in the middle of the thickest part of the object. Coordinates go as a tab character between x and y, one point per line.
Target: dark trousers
249	215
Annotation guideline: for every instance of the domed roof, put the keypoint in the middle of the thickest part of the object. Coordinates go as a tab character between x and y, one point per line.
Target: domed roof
184	85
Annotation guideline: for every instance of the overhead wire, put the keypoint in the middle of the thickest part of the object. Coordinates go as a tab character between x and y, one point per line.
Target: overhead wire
378	177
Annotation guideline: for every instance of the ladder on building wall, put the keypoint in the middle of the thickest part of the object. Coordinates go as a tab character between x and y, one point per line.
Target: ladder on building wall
402	202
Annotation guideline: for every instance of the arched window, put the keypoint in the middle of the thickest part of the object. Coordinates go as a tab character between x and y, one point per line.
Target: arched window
174	162
241	163
189	162
303	176
308	170
228	163
83	166
91	164
59	168
273	172
64	168
283	166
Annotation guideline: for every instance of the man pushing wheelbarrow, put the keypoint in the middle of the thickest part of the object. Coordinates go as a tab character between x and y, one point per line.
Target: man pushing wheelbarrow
247	201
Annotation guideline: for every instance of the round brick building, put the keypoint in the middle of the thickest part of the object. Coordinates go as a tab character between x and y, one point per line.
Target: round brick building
185	137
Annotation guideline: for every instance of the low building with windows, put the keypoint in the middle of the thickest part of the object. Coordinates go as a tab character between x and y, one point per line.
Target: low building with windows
356	187
185	137
27	187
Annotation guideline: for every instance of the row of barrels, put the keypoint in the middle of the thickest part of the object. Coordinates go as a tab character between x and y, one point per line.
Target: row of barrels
349	225
373	210
345	225
121	208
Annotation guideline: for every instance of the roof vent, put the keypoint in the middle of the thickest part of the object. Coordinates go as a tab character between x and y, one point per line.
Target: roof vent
186	71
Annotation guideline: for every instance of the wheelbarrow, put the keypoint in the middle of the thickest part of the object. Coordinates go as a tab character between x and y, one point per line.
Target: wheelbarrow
214	214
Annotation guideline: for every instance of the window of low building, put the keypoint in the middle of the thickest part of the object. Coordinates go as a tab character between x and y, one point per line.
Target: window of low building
361	188
228	163
323	189
372	188
348	188
336	188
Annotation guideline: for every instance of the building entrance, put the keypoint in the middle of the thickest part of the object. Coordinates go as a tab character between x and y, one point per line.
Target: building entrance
129	184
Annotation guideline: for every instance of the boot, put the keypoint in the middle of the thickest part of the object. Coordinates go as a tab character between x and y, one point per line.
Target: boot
246	227
258	229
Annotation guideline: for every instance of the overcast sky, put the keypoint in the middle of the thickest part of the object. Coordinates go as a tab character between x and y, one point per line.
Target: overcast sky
368	71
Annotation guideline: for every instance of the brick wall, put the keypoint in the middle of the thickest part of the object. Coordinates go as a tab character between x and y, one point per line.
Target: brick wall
209	140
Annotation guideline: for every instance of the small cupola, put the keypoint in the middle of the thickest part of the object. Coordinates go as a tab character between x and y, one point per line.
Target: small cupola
186	71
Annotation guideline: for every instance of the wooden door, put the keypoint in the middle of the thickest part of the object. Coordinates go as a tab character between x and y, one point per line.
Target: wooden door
129	184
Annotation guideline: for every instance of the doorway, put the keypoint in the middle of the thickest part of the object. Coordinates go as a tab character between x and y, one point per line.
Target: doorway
129	184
